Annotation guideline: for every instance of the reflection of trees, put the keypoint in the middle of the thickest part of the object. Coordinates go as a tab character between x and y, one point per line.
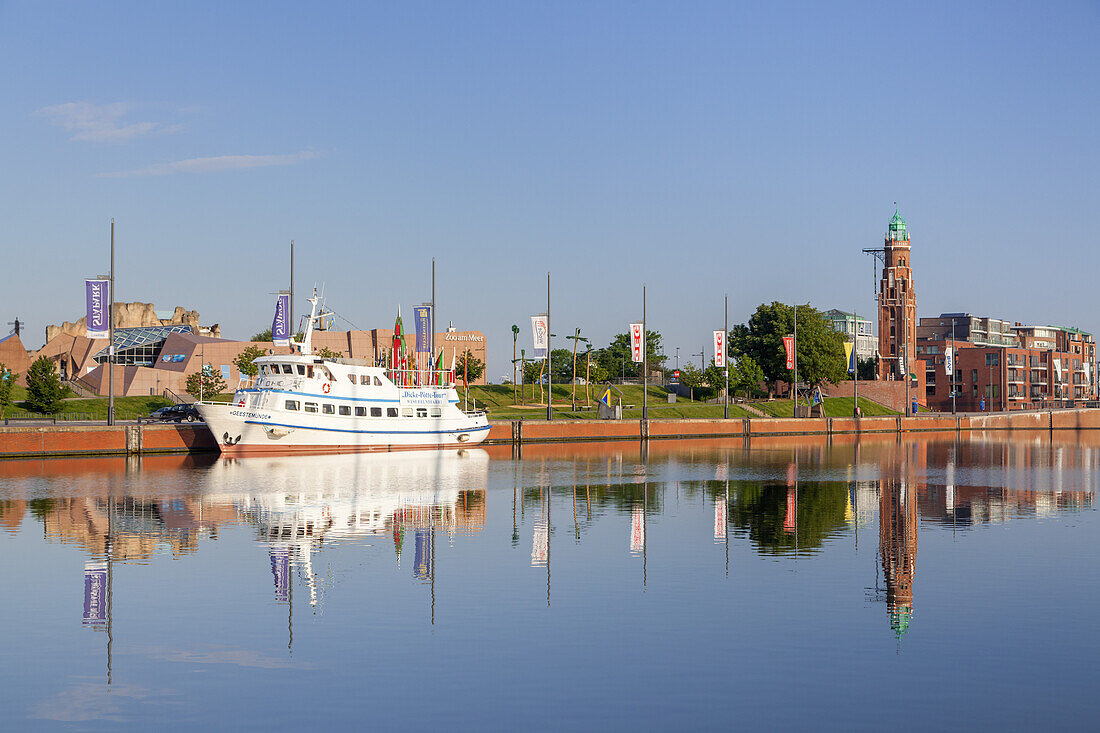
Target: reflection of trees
761	508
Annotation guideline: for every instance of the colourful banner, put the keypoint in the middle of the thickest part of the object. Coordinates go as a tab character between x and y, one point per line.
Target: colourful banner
280	326
95	593
97	296
422	317
788	346
850	356
720	349
540	334
949	360
637	342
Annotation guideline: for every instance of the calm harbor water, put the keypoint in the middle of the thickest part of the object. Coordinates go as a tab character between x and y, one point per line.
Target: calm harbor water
787	583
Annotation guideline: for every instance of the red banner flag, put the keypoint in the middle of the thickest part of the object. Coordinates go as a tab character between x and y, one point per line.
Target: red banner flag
637	342
788	346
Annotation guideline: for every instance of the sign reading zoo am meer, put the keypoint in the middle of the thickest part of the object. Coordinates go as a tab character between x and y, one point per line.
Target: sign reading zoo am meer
462	337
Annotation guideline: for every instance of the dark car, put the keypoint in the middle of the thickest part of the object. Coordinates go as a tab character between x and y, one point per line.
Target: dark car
179	413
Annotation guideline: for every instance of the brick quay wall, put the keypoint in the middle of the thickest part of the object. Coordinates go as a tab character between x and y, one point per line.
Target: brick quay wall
60	440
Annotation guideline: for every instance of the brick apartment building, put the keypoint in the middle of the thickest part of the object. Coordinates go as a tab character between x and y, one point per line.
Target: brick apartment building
1001	367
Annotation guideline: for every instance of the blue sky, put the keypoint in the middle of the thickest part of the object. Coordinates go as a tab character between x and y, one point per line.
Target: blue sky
749	149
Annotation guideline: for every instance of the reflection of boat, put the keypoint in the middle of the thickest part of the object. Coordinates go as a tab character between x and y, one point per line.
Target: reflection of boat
298	503
304	402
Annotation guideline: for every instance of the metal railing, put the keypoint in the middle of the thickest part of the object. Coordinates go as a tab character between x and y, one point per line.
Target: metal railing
421	377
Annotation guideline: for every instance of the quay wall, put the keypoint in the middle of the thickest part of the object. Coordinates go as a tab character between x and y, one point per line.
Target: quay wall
77	440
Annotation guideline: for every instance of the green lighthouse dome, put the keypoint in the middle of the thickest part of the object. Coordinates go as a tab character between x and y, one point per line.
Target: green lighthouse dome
898	231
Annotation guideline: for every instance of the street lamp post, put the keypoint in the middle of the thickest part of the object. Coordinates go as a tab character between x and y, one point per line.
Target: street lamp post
111	337
515	339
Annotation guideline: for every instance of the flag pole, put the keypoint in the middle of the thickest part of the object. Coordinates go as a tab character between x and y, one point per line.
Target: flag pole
111	337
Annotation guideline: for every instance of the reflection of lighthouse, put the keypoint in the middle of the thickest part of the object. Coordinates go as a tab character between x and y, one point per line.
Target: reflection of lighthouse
898	549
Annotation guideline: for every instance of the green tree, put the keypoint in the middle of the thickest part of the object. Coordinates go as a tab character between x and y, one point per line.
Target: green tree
7	386
205	383
561	365
326	353
264	335
44	390
532	369
866	368
820	347
746	375
615	359
245	360
469	367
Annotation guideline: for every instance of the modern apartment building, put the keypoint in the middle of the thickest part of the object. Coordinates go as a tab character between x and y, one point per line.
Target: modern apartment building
856	329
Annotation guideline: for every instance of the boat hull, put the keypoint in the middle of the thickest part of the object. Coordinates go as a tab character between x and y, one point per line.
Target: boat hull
240	430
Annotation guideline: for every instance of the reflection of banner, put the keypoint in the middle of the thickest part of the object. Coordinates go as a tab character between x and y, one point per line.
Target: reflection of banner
422	317
850	356
97	296
720	518
540	544
95	593
280	326
637	342
422	565
792	474
790	520
280	568
949	360
540	333
637	528
788	346
720	349
949	493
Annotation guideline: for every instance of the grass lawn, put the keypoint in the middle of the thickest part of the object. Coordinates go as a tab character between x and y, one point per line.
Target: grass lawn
834	407
95	408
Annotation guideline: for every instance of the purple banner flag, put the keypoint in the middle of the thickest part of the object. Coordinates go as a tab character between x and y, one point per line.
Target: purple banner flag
280	568
280	327
422	316
97	296
95	593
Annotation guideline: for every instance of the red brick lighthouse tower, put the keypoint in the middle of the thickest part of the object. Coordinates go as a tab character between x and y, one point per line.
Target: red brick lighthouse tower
897	305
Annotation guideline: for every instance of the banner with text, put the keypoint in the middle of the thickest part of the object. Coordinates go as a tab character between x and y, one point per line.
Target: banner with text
949	360
422	317
788	346
97	296
540	333
637	342
95	593
280	325
720	349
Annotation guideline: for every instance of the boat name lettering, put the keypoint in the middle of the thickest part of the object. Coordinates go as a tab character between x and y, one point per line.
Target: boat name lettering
252	415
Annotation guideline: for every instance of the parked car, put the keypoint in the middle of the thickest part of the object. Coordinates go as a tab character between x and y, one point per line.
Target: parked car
179	413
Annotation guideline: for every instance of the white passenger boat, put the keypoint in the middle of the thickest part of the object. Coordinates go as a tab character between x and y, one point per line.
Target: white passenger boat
301	402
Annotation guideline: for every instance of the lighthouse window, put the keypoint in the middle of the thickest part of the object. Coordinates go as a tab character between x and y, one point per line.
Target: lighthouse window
436	412
391	412
376	412
311	407
328	409
345	410
422	412
291	404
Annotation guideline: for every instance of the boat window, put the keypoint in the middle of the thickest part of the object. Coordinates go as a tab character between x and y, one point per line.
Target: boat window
328	409
345	410
364	379
376	412
309	371
360	412
422	412
377	382
391	412
291	404
406	412
351	378
302	369
311	407
436	412
288	369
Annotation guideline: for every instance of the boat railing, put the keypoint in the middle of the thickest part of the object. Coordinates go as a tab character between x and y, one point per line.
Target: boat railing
474	413
421	377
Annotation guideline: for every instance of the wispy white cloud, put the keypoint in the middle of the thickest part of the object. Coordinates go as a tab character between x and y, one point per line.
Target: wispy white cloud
101	122
214	164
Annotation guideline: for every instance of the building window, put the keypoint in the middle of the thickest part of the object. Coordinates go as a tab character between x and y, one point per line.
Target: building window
360	412
391	412
345	410
311	407
376	412
992	359
328	409
291	404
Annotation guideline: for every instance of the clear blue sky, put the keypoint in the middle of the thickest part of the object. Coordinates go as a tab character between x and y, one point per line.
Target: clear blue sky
748	148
